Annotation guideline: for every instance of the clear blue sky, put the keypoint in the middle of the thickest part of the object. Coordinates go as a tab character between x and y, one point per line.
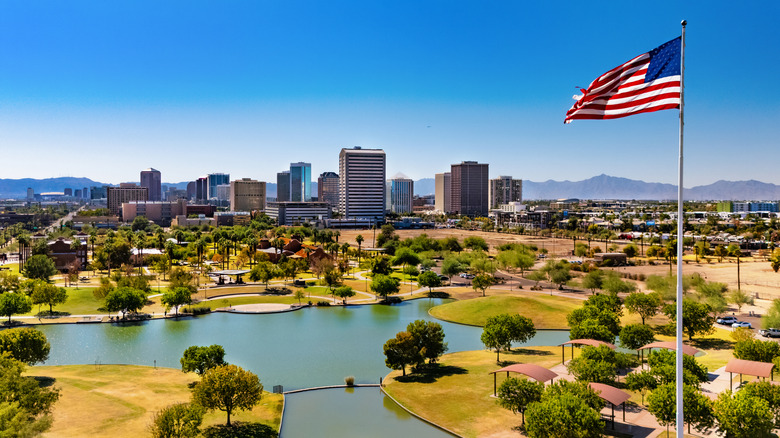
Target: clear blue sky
106	89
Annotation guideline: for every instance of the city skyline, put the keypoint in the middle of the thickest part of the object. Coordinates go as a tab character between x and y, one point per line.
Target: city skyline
187	89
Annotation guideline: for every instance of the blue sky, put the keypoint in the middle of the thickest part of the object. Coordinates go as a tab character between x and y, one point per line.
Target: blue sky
106	89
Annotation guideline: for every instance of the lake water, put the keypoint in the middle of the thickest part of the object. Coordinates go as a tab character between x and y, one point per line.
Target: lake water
302	349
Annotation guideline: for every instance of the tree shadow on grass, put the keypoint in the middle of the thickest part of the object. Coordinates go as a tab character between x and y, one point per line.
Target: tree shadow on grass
240	430
431	373
45	381
712	344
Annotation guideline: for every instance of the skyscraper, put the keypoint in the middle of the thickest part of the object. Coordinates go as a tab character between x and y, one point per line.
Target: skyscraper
247	195
283	186
152	180
401	195
362	183
217	179
469	188
504	190
300	182
116	196
202	188
443	191
328	188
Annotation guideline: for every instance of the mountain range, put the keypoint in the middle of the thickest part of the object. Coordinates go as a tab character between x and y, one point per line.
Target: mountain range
597	187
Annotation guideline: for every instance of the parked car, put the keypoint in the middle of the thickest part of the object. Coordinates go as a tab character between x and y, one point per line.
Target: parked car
770	333
726	320
742	324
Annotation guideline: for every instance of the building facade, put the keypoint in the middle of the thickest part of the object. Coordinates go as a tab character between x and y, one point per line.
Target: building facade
443	192
328	188
401	195
469	194
214	180
116	196
152	180
247	194
300	182
283	186
159	212
362	189
291	213
505	189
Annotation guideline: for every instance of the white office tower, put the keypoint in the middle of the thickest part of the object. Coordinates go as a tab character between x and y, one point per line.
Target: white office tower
362	183
401	194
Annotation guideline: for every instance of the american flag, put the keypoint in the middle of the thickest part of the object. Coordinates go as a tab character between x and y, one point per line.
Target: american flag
649	82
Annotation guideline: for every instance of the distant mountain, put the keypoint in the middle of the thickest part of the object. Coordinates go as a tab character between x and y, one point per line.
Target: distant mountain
17	188
598	187
610	187
425	186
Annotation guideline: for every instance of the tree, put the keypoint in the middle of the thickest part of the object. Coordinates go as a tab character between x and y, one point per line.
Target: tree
46	293
401	351
646	305
768	392
332	279
634	336
25	406
739	299
201	359
482	282
178	296
696	317
384	285
180	420
743	415
182	278
359	239
12	303
9	282
631	250
591	329
262	272
614	285
39	267
601	316
772	317
429	279
662	366
344	292
475	243
641	381
593	280
755	350
562	415
501	330
451	266
405	257
125	299
380	265
735	251
516	394
227	388
429	337
698	408
26	345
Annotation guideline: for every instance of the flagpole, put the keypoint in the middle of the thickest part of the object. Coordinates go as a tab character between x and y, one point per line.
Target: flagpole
680	235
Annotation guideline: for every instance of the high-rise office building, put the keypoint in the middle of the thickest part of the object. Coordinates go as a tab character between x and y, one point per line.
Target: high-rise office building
216	179
152	180
67	192
401	195
96	192
30	194
192	190
504	190
300	182
362	183
469	188
442	192
223	193
328	188
202	188
247	195
116	196
283	186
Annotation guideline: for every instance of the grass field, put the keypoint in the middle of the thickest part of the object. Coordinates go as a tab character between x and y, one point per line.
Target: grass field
459	395
547	312
119	400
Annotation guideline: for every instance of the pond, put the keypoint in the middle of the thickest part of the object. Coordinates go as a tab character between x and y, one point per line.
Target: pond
302	349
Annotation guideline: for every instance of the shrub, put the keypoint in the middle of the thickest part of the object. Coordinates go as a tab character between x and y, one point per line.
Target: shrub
322	304
349	380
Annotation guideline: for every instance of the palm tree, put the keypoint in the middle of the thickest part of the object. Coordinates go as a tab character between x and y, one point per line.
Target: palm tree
200	247
735	251
359	239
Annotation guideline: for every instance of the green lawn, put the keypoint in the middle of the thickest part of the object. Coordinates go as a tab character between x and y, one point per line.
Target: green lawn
547	312
119	400
80	302
458	395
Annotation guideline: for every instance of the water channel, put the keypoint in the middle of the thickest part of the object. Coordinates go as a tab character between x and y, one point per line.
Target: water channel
301	349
